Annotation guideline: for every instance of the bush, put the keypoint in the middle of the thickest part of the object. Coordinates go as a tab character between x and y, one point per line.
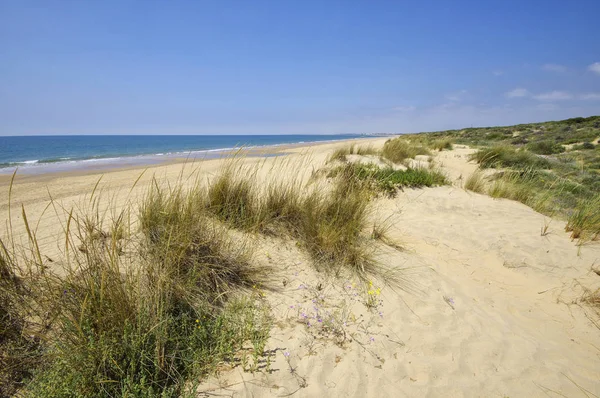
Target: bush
588	145
545	147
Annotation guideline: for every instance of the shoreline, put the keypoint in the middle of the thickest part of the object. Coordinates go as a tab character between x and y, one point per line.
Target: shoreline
144	162
111	163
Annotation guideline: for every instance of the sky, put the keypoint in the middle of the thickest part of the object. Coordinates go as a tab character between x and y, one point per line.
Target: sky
293	67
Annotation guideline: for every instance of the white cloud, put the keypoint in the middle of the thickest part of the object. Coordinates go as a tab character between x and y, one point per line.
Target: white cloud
517	93
590	96
554	68
595	67
553	96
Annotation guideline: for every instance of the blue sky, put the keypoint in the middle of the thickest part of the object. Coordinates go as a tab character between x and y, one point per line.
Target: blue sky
282	67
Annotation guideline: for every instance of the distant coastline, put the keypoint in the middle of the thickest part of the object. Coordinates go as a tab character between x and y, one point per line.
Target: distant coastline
47	154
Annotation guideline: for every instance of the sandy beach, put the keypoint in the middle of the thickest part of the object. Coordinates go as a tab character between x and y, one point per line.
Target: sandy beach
489	306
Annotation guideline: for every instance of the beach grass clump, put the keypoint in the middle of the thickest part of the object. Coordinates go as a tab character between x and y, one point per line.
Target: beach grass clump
192	247
19	352
136	315
584	222
397	150
476	182
341	153
281	206
506	156
388	180
592	298
232	196
333	227
441	144
328	222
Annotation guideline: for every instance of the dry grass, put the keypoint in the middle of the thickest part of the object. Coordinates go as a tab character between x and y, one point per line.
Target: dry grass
476	182
341	153
329	222
142	311
507	156
441	144
584	222
134	314
19	352
398	150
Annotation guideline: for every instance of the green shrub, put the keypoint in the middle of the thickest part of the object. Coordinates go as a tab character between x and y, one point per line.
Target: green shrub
545	147
588	145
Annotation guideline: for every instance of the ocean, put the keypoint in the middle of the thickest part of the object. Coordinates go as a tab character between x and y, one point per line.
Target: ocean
40	154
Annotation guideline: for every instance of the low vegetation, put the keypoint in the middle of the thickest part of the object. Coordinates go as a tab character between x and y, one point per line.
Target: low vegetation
329	222
19	352
584	222
505	156
398	150
145	311
130	314
554	167
342	152
389	180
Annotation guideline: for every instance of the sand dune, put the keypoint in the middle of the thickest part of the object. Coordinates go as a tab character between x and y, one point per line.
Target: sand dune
487	305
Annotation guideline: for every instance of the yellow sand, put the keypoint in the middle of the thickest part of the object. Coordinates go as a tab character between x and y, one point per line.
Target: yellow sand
489	307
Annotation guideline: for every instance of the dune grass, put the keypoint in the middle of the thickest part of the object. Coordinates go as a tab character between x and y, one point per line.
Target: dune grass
329	222
388	180
476	182
441	144
146	310
231	196
506	156
139	314
397	150
341	153
584	222
19	352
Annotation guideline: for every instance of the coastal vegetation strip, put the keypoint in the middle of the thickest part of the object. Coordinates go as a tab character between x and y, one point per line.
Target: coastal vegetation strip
149	298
